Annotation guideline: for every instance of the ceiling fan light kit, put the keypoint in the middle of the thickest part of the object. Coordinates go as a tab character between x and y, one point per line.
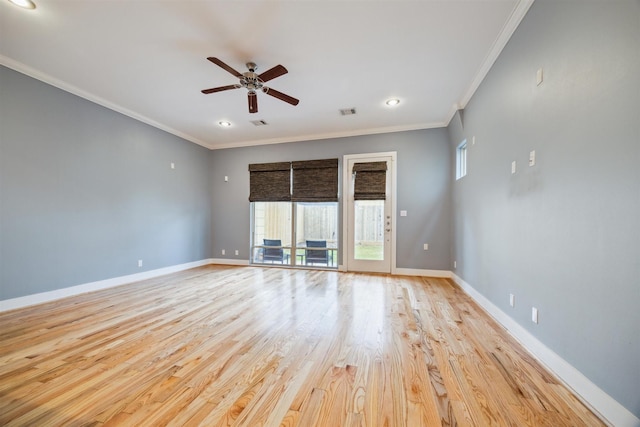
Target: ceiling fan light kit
253	82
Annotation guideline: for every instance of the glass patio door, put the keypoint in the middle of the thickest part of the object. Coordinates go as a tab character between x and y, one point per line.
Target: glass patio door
369	218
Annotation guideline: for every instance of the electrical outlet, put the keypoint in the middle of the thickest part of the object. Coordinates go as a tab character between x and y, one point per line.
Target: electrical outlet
513	167
534	315
426	246
512	300
224	252
539	77
473	140
173	165
139	263
532	158
455	264
237	252
226	178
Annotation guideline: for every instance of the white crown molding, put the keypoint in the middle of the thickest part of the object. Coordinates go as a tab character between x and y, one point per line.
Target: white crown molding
38	75
330	135
518	13
589	393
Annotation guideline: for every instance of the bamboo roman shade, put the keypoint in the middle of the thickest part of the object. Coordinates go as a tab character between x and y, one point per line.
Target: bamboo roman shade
370	181
270	182
315	181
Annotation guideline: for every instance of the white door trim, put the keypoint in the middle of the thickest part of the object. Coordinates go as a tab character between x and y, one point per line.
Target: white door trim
346	179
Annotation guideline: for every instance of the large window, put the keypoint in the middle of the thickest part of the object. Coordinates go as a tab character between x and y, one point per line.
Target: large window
294	213
272	241
307	229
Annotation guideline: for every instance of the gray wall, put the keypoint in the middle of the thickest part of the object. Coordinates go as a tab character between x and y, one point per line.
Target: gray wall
85	192
564	235
423	190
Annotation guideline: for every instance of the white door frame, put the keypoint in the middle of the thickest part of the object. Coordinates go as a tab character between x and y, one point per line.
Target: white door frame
346	181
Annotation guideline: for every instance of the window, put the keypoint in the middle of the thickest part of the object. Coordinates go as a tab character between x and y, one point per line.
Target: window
461	160
281	229
294	213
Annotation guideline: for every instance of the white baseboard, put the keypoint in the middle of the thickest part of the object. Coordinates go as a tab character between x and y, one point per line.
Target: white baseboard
419	272
225	261
594	397
27	300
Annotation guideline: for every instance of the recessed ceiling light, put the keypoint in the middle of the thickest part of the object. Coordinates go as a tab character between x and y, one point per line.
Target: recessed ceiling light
392	102
224	124
27	4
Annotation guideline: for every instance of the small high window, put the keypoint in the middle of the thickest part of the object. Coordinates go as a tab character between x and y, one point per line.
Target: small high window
461	160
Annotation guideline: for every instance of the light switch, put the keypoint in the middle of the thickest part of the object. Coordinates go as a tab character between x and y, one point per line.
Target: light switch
403	213
513	167
532	158
226	178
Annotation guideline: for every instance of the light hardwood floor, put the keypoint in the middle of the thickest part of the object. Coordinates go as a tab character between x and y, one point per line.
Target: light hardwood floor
247	346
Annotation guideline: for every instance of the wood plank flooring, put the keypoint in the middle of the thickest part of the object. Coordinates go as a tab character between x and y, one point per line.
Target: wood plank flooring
248	346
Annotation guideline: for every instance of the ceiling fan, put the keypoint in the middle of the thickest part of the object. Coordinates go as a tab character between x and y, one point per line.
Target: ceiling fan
253	83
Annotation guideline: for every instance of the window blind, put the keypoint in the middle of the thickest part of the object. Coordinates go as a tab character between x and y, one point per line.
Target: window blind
370	181
315	180
270	182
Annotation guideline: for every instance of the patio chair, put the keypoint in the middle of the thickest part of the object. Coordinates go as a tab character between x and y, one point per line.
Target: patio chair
317	256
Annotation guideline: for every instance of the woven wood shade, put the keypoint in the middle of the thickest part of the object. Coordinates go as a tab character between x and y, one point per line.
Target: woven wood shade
370	181
315	181
270	182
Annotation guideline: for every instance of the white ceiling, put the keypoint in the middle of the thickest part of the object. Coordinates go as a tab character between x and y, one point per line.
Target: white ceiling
147	59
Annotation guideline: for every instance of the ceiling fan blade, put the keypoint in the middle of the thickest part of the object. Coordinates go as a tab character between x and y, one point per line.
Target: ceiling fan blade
219	89
253	102
224	66
281	96
272	73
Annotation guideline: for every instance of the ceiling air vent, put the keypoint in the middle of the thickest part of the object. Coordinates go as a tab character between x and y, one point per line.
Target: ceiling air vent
348	111
259	123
